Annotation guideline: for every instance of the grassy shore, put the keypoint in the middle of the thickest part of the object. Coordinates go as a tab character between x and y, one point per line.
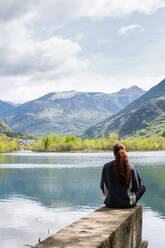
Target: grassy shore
68	143
55	143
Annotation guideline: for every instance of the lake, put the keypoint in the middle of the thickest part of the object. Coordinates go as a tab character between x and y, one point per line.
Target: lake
40	193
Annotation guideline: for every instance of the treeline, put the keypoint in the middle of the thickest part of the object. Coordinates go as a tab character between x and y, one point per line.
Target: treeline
69	143
55	143
8	144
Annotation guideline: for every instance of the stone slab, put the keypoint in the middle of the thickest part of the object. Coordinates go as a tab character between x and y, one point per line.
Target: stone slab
144	244
103	228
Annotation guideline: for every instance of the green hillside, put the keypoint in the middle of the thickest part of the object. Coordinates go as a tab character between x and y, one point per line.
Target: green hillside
4	128
144	116
68	112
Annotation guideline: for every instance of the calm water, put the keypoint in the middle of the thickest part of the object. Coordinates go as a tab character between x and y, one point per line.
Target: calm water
41	193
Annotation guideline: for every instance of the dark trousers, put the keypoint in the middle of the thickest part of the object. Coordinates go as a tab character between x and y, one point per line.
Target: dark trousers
140	192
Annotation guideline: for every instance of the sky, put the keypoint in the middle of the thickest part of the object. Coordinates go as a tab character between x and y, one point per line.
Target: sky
89	45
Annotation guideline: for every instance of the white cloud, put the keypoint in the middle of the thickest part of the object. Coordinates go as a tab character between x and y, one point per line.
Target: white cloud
113	8
10	9
21	55
71	9
22	89
79	37
35	61
96	82
127	29
30	68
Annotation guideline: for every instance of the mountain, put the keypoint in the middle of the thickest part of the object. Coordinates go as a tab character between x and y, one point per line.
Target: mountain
5	107
144	116
4	128
67	112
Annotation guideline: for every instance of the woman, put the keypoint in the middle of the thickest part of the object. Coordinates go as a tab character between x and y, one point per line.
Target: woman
120	182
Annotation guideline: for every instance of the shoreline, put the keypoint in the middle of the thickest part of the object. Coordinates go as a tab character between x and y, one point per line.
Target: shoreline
84	151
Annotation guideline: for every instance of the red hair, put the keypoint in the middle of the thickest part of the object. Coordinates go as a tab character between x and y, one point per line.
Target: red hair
122	166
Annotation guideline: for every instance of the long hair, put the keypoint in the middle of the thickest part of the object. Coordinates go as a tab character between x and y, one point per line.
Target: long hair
122	166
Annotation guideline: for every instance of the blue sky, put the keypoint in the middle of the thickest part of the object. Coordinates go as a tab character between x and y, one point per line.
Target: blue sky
101	45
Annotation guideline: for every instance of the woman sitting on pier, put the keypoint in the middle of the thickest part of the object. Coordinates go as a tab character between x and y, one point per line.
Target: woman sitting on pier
120	182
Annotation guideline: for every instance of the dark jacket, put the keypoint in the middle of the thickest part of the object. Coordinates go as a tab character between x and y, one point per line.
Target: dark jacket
119	196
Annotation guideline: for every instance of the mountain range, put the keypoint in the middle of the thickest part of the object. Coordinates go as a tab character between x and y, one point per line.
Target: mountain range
67	112
5	107
144	116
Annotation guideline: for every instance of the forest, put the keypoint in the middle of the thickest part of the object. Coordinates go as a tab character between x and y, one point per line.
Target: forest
69	143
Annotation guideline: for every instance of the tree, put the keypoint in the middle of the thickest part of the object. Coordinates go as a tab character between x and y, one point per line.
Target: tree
113	139
46	142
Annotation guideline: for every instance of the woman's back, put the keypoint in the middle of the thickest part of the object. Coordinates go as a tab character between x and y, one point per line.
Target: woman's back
117	194
121	180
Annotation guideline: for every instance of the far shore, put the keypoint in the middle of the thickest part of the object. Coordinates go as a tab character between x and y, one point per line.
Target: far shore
91	151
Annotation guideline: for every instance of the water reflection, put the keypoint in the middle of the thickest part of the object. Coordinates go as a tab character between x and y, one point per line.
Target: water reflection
53	187
25	221
65	187
154	178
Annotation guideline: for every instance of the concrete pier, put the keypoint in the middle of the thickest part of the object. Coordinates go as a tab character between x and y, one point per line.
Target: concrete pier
103	228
